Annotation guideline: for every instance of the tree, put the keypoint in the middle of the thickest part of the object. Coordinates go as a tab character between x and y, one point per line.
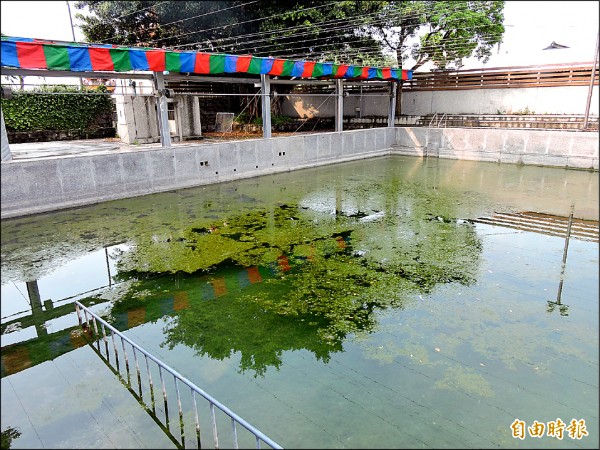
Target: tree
446	31
380	33
167	23
358	32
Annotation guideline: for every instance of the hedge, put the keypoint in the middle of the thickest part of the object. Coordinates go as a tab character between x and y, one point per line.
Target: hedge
46	109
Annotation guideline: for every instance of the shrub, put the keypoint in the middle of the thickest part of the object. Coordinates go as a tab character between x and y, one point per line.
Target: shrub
56	107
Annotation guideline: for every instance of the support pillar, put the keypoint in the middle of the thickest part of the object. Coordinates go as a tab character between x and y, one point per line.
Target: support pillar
339	105
265	86
6	154
163	117
591	88
392	107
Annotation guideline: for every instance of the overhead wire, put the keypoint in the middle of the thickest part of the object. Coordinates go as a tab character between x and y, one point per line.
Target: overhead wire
209	13
347	26
136	33
271	33
235	24
353	22
450	44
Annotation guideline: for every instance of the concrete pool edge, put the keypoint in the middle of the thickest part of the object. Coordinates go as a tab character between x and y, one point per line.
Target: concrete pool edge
54	183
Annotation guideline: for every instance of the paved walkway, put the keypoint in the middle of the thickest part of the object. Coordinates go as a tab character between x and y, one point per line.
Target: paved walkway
36	150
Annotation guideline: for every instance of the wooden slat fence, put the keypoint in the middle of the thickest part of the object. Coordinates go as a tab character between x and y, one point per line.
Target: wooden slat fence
574	74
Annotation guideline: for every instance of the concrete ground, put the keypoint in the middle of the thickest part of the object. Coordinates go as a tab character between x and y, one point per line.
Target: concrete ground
36	150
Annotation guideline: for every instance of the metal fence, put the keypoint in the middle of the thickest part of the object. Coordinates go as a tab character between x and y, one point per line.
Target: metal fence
124	359
574	74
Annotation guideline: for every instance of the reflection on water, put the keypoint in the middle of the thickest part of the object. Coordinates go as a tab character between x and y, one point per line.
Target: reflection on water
361	305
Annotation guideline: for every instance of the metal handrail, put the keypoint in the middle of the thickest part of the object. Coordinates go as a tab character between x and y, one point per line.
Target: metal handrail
432	119
440	121
259	436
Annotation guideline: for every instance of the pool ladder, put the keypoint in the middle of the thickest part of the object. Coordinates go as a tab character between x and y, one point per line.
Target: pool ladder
96	329
433	123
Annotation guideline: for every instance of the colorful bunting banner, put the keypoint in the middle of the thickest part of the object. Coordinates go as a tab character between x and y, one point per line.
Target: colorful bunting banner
25	53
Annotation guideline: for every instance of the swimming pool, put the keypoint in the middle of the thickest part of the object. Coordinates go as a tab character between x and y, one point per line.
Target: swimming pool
349	306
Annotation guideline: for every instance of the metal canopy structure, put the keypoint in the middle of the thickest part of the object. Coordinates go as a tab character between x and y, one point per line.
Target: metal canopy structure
38	57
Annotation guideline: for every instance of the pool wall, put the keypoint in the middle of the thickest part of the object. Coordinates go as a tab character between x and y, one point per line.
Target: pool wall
569	149
48	184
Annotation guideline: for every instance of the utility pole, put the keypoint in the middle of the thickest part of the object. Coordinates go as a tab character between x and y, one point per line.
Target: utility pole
592	79
74	40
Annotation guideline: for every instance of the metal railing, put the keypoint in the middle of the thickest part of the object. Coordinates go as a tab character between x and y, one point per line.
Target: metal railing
97	331
444	119
432	120
437	123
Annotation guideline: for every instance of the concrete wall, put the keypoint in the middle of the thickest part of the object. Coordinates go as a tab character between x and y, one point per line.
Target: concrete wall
188	116
320	106
543	100
137	120
141	127
34	186
571	149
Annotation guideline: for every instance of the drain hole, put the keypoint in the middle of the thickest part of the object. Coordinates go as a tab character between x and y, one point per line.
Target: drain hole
206	163
257	167
201	163
234	170
216	173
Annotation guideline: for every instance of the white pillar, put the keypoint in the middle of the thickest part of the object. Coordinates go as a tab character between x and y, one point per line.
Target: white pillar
392	107
197	131
265	85
163	117
339	105
6	154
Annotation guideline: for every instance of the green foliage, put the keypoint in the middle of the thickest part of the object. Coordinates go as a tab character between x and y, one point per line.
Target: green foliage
167	23
332	270
8	435
523	112
45	108
278	120
447	31
352	32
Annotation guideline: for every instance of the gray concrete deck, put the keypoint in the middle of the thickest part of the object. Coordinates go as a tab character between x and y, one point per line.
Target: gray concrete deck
37	150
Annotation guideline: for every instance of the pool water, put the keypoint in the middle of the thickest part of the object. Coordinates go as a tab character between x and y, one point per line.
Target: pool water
361	305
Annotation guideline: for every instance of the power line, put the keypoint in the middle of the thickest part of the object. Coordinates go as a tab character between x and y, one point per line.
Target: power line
235	24
297	27
138	10
449	44
110	21
208	13
353	23
195	17
368	29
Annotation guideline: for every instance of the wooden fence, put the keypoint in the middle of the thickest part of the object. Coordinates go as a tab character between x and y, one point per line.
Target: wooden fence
572	74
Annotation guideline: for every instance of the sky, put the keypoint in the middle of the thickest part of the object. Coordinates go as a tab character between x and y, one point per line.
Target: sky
530	27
